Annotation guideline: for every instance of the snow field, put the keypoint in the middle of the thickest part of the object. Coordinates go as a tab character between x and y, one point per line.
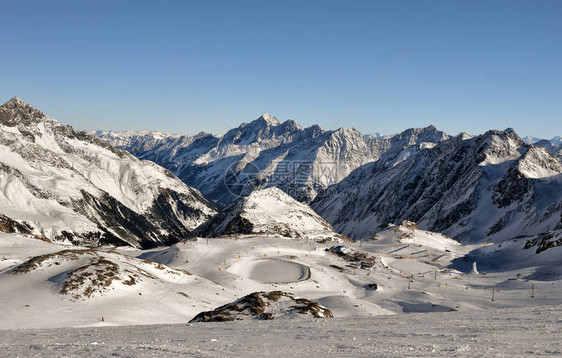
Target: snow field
518	332
225	269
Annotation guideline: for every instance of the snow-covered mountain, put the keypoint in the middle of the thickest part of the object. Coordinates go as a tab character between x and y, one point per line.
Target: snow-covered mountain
265	153
136	140
489	187
377	135
67	185
554	149
267	212
532	140
553	145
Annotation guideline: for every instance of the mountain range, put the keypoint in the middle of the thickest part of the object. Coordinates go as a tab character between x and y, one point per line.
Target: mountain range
265	152
557	140
73	186
490	187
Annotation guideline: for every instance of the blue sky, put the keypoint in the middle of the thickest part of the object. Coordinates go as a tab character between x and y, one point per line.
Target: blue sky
472	65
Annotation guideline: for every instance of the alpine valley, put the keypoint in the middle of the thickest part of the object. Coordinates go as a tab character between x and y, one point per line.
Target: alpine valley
277	238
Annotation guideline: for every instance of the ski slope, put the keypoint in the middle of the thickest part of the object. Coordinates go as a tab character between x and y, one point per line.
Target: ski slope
405	270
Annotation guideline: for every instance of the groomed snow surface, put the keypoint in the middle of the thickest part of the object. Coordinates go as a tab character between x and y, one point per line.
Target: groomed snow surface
520	332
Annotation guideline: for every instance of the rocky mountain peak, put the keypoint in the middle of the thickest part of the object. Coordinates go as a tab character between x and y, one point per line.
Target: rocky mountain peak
290	125
414	136
508	133
268	120
348	131
17	111
495	147
509	130
258	129
17	100
464	136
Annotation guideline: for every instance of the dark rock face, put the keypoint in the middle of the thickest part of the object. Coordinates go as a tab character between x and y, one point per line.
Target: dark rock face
11	226
258	306
545	241
512	188
235	225
127	224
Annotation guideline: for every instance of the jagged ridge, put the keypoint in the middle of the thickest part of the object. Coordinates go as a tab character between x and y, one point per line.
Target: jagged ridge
493	186
301	161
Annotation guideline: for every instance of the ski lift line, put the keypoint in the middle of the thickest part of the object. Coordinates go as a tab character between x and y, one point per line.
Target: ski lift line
182	276
396	294
377	82
189	87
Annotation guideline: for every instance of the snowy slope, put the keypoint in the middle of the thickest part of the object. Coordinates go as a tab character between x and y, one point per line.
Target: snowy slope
474	189
267	211
70	186
553	145
514	332
408	232
301	161
403	270
44	285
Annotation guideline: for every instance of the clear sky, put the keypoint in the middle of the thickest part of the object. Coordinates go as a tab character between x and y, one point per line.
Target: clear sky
472	65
